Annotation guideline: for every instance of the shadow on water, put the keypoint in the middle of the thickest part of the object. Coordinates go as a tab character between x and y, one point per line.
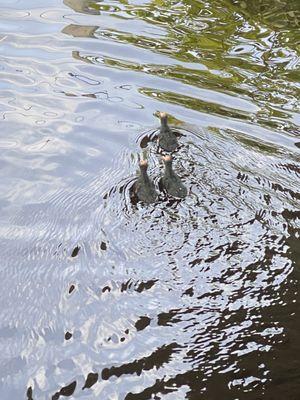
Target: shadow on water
104	296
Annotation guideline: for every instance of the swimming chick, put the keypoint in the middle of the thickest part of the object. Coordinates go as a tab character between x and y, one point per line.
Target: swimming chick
167	139
171	182
144	187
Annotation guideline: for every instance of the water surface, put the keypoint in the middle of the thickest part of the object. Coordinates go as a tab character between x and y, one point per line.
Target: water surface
105	299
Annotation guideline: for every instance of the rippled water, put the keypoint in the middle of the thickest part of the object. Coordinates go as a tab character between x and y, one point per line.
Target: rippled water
105	299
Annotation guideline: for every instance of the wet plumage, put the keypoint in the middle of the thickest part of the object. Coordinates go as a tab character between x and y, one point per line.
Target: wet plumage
171	181
144	187
167	139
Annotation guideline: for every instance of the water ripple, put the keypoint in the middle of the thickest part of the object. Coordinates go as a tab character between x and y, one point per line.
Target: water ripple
102	295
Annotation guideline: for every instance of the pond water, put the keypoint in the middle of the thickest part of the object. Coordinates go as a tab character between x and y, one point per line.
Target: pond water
193	299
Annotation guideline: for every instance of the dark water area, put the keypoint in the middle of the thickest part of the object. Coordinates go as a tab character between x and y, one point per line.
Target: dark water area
103	298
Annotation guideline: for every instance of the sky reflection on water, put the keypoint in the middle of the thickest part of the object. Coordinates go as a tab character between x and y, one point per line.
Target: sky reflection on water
102	298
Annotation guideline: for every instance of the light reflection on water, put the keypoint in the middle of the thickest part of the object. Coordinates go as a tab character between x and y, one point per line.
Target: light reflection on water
178	299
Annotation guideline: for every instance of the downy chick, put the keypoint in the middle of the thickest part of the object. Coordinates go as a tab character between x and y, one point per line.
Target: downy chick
171	182
144	187
167	139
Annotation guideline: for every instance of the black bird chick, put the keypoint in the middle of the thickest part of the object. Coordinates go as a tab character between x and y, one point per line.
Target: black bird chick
167	139
144	187
171	182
